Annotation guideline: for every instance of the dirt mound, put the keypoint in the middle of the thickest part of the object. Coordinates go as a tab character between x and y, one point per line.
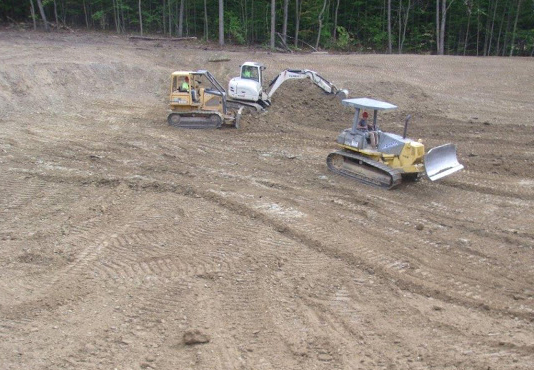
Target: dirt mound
76	86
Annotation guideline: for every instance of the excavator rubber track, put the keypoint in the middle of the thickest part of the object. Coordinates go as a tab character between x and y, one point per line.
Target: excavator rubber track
363	169
195	120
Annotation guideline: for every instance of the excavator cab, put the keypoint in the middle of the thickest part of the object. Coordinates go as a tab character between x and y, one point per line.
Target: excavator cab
252	71
198	100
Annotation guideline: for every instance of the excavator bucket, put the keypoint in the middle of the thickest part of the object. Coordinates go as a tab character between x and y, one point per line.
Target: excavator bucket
441	161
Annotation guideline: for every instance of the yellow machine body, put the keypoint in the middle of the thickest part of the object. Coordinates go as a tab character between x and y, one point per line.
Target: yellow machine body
198	100
409	161
195	98
382	159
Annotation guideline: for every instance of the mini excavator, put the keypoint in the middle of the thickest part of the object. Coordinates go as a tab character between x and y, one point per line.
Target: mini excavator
393	157
247	89
198	100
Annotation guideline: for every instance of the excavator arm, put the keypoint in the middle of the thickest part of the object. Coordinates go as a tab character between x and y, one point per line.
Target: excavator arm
299	74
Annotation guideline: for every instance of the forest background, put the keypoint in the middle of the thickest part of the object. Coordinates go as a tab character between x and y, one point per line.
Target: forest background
454	27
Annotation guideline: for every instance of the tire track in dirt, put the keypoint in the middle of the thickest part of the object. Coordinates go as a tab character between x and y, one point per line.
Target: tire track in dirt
425	284
423	270
381	263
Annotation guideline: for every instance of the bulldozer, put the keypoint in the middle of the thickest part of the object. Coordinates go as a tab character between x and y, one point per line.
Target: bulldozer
247	89
198	100
387	158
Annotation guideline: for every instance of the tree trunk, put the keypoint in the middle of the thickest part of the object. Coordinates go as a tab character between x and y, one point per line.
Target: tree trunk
400	26
273	21
406	17
43	15
140	19
252	28
478	28
442	28
492	25
85	12
515	27
221	22
206	36
320	24
115	15
335	20
298	6
55	14
467	31
181	20
164	15
284	28
438	43
505	43
486	33
32	9
389	27
498	47
123	21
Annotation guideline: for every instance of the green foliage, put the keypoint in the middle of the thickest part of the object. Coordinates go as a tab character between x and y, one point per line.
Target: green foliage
344	39
361	24
234	28
98	15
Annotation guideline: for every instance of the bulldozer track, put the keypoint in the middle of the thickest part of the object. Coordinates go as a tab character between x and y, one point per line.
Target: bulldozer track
394	175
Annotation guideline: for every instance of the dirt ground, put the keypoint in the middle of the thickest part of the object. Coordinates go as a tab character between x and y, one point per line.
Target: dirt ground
120	234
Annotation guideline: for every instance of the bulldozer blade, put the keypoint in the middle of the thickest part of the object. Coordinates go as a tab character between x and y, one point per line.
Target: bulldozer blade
441	161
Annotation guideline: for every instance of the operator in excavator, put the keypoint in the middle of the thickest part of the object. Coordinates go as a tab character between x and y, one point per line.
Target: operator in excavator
250	73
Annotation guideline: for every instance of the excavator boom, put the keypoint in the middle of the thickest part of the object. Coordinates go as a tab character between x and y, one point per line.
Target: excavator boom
299	74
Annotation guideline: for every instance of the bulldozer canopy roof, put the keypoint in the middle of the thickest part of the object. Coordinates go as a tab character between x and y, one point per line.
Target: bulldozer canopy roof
367	103
186	73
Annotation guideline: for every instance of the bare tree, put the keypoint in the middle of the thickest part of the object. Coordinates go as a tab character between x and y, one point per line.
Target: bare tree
164	15
85	12
284	29
32	9
170	17
206	20
438	42
389	27
273	21
181	19
440	25
221	22
55	13
43	15
320	18
335	20
492	26
116	13
469	6
140	19
298	7
404	24
515	27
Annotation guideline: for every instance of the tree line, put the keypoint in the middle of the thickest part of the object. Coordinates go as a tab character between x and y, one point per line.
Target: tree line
454	27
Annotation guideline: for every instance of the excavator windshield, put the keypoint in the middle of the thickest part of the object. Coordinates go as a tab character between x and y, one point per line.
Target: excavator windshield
250	73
